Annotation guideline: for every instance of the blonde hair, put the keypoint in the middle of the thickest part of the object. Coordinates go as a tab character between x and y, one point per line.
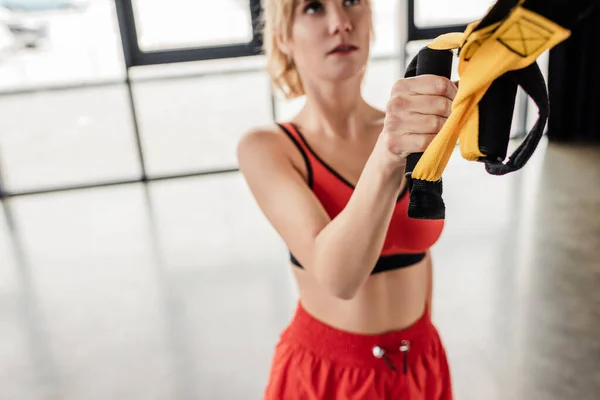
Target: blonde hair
278	18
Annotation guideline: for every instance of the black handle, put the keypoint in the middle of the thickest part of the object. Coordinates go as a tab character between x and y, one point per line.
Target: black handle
426	197
427	62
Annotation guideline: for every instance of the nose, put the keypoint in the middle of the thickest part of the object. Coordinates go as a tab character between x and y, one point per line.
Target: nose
339	21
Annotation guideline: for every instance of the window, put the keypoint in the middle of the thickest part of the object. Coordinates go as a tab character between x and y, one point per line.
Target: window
177	24
430	13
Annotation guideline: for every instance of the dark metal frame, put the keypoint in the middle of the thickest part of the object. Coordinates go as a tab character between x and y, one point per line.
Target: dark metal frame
134	57
2	192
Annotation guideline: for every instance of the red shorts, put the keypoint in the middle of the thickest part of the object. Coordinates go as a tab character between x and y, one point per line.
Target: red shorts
314	361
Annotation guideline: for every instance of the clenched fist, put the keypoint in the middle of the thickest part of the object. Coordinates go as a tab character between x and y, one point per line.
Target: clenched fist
416	112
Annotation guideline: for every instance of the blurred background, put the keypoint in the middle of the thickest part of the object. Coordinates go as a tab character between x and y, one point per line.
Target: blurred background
134	263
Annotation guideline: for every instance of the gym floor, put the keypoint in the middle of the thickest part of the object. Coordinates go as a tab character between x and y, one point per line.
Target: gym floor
179	289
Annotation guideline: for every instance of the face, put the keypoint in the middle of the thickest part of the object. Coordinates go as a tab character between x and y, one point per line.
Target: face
330	39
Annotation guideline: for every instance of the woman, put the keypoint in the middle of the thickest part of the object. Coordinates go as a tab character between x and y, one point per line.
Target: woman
331	182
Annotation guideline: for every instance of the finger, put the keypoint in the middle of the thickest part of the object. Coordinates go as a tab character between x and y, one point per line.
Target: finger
421	123
416	143
427	85
426	104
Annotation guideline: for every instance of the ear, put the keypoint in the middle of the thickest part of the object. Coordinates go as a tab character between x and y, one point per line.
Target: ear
283	44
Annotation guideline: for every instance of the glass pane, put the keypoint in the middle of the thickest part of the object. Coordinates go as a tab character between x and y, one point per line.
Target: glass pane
379	79
443	12
175	24
193	124
386	27
55	46
66	138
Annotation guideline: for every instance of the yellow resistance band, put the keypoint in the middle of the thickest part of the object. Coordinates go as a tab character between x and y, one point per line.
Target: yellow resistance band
484	55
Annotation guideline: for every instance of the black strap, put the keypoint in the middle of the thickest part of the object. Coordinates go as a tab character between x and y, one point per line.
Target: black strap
497	13
533	83
566	13
496	110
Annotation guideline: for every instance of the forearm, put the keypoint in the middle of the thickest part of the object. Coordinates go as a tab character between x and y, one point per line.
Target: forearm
347	249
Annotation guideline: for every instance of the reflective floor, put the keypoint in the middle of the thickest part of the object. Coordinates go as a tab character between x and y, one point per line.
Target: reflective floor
178	290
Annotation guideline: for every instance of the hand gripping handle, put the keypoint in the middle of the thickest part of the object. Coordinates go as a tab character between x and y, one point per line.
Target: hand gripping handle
426	197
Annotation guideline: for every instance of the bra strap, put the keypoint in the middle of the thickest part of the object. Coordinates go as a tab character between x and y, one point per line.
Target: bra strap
294	136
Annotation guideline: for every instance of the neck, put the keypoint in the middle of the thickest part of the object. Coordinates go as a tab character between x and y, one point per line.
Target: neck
335	108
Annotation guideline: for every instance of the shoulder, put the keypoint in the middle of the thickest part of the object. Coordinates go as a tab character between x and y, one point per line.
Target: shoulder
261	141
265	147
259	136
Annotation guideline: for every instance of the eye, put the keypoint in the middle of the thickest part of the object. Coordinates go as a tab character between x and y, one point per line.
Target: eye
348	3
312	7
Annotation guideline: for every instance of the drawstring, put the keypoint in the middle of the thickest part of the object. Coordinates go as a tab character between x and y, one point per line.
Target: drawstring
379	352
404	348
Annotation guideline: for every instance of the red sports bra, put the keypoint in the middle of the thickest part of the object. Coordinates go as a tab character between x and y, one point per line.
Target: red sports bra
406	240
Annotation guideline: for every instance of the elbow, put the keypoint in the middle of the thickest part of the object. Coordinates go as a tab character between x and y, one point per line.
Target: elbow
333	273
337	285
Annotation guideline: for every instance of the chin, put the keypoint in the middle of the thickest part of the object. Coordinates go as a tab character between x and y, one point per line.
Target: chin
345	78
346	72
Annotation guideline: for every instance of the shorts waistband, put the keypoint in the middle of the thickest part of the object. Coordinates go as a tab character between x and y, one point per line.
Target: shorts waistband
391	349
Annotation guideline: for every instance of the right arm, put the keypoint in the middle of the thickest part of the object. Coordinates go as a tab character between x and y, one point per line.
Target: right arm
346	250
341	253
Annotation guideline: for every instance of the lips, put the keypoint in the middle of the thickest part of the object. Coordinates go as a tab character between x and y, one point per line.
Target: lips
343	48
